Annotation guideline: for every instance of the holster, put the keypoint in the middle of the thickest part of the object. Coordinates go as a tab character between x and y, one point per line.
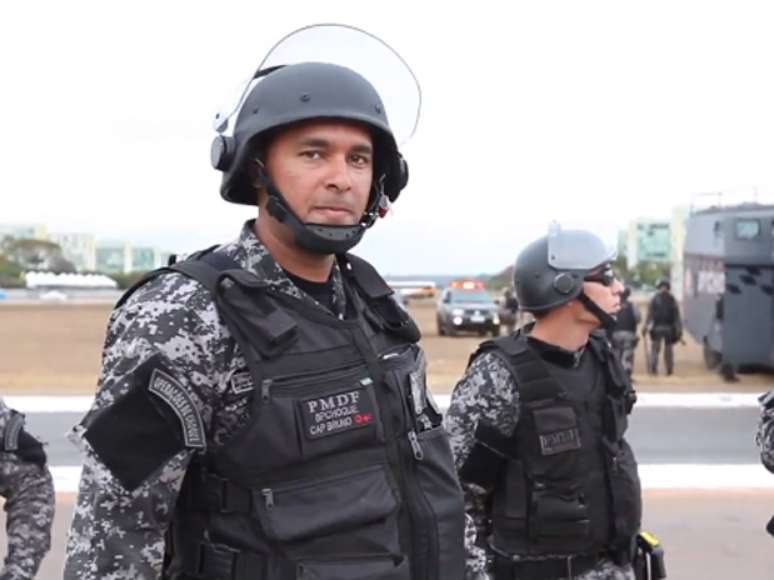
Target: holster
648	560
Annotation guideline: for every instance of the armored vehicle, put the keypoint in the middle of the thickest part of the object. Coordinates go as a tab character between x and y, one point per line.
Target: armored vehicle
728	287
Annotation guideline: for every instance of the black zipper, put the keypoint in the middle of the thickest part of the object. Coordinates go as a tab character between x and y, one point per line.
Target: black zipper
296	384
269	493
424	541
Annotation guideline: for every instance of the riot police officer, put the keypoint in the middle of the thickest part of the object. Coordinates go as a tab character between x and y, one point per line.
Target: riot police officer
262	409
665	326
624	334
537	427
28	490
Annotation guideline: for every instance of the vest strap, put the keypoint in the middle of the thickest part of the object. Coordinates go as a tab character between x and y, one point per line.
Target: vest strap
379	297
207	560
210	492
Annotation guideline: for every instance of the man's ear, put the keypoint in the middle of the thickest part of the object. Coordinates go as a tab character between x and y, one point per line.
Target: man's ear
256	172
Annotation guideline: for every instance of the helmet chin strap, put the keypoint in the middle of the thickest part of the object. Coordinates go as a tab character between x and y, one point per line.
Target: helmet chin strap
317	238
606	320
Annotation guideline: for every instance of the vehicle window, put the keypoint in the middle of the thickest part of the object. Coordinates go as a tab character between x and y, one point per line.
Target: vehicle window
748	229
460	295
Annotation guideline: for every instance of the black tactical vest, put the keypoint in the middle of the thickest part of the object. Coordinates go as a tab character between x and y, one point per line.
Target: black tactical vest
567	482
344	470
625	319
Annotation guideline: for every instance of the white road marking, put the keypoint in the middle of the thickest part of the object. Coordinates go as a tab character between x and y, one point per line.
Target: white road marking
81	404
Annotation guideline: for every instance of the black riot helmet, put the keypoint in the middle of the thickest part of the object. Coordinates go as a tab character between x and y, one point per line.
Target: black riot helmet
289	89
550	271
664	282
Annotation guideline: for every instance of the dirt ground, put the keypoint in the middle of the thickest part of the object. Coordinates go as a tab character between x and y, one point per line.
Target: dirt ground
54	348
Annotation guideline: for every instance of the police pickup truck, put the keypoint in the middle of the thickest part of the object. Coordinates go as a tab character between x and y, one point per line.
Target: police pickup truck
466	306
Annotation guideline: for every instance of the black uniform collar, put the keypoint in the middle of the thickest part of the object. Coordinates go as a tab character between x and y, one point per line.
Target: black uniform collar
556	354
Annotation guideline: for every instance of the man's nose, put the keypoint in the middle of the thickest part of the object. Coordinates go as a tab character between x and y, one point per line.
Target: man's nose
339	176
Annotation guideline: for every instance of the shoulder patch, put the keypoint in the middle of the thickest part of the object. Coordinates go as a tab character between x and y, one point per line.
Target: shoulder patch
179	400
12	430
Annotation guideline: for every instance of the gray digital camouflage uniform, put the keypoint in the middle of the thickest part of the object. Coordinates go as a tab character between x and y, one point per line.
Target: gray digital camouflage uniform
488	390
116	534
28	490
765	437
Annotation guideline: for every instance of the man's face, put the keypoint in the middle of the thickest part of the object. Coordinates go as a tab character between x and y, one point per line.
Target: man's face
324	169
604	290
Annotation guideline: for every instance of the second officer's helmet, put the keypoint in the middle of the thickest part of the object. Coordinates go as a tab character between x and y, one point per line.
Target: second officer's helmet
550	271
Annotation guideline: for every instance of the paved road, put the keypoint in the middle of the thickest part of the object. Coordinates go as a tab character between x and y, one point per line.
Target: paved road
708	534
659	435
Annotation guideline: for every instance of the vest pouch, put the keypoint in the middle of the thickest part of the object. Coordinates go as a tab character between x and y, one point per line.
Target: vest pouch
511	507
438	481
558	442
317	507
374	568
310	416
626	493
558	515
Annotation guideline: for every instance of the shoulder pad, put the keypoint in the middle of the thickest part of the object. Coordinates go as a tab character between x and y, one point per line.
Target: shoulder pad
366	276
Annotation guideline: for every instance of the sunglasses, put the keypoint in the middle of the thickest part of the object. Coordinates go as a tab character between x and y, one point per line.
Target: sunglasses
605	277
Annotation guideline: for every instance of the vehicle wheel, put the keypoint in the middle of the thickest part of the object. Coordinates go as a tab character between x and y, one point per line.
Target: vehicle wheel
482	332
711	357
441	331
495	332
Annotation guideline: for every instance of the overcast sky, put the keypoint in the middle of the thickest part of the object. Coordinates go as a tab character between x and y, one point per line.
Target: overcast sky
585	112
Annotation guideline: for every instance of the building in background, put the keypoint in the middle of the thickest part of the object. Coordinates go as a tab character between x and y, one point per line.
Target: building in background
26	231
677	229
78	248
145	258
648	240
114	257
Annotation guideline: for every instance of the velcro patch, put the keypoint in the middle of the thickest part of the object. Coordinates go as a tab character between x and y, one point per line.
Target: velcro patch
553	443
179	400
337	413
12	430
241	383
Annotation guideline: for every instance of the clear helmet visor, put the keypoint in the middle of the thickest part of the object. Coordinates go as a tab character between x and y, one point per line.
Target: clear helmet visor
354	49
580	249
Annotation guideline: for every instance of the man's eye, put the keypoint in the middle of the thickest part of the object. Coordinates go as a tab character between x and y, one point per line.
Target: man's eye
311	154
361	160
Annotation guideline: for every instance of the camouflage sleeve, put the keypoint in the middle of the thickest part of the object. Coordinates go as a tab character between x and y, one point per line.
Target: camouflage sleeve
765	436
118	528
487	391
26	485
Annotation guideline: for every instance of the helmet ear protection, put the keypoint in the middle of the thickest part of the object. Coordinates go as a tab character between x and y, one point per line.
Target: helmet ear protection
565	283
222	152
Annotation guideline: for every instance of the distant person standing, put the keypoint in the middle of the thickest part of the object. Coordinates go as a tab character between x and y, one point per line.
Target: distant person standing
510	311
624	336
664	324
28	490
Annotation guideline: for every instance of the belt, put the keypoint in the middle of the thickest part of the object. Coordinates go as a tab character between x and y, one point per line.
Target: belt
548	569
